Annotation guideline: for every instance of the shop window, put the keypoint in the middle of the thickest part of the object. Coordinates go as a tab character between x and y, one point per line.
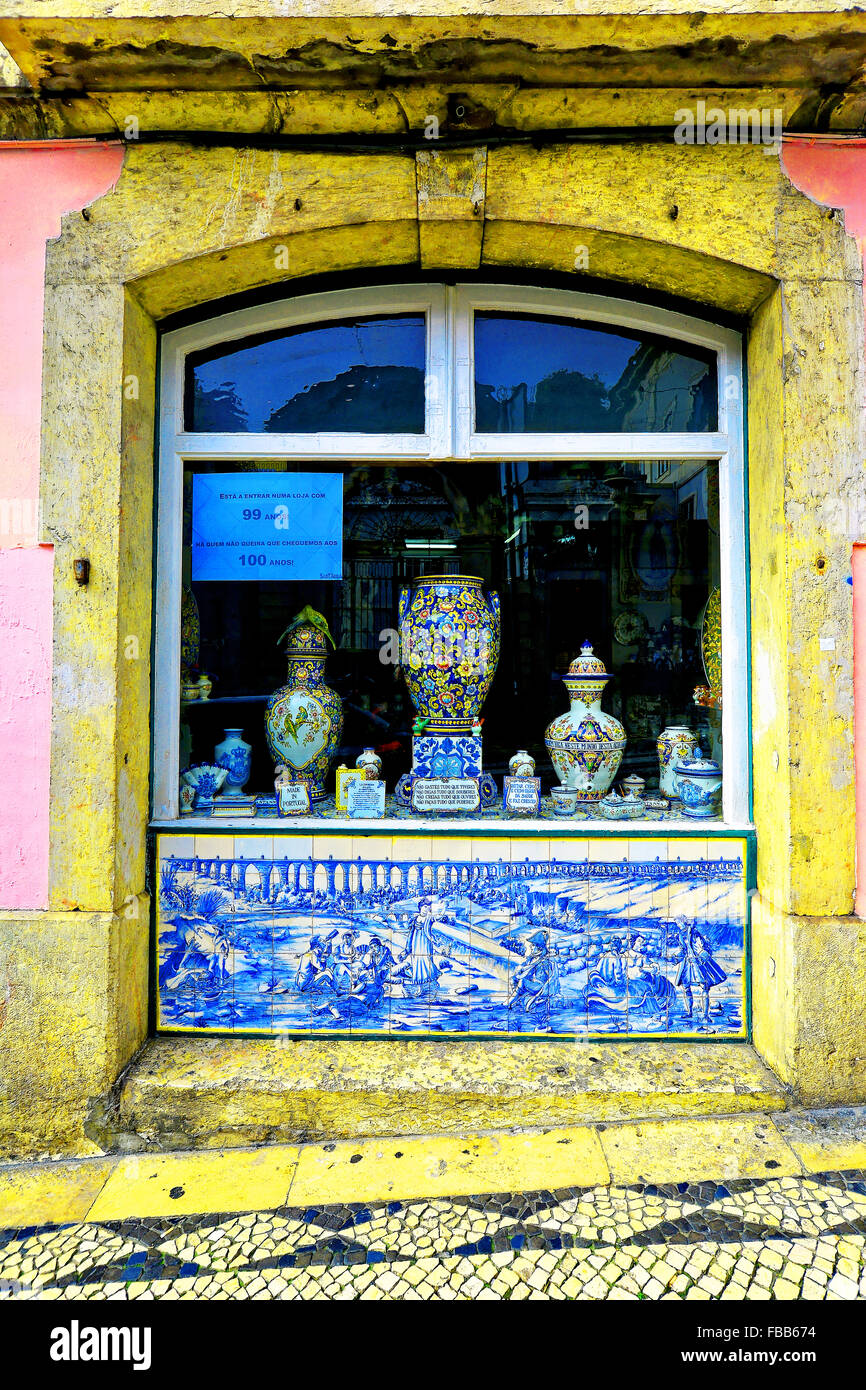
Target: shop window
581	456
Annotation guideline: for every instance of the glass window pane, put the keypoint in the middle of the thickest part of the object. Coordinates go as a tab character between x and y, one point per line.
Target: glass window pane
623	554
363	376
555	375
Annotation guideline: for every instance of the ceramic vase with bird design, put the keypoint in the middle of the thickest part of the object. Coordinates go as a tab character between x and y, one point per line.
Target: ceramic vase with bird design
304	718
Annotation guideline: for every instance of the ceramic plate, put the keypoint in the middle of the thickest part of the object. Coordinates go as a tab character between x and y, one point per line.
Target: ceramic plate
711	641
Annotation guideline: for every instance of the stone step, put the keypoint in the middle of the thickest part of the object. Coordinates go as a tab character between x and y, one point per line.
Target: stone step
204	1092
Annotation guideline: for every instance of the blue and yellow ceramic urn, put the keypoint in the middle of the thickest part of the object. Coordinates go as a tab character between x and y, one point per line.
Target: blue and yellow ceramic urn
304	719
449	646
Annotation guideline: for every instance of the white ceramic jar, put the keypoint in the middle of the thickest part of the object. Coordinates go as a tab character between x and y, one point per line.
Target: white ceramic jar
370	764
586	744
674	743
700	786
522	764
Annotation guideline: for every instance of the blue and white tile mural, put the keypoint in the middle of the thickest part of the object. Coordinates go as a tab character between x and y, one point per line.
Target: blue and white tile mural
402	935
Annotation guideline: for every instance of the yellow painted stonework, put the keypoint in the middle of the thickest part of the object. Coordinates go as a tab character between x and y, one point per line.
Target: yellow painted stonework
97	1189
188	225
73	1009
219	1092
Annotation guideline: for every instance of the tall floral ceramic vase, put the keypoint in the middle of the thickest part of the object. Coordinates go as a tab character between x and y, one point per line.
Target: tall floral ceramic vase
304	719
586	744
674	744
236	757
449	636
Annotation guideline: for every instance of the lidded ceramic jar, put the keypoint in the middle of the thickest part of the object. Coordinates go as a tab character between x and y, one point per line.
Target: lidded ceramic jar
700	785
236	757
522	764
304	718
586	744
634	785
674	743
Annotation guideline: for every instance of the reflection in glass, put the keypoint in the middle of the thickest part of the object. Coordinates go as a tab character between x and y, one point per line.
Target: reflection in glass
548	375
363	375
625	554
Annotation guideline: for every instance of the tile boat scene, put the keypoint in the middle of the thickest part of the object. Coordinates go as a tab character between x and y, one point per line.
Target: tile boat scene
396	935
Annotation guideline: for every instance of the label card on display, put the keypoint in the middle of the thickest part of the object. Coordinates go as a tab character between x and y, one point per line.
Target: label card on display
456	794
365	799
344	778
267	526
294	800
522	795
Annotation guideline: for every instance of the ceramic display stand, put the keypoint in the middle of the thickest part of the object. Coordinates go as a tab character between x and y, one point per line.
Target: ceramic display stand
447	777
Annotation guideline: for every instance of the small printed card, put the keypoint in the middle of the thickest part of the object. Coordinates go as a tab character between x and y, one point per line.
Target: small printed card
445	795
522	795
365	799
345	775
294	799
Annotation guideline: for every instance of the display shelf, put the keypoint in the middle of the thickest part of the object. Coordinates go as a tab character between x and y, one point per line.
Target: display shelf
493	821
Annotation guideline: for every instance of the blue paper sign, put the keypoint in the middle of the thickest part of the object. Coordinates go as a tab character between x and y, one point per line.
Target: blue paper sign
267	526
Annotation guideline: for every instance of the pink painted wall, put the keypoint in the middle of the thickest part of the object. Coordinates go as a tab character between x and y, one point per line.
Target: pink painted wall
38	183
834	172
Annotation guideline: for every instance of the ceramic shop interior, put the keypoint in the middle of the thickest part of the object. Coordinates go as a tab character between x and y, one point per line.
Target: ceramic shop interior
451	706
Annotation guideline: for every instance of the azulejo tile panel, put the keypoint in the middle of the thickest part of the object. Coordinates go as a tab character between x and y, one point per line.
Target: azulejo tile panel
594	937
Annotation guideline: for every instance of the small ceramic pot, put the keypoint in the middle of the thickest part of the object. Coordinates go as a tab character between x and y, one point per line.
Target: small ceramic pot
634	785
189	690
564	800
700	786
522	764
615	807
370	764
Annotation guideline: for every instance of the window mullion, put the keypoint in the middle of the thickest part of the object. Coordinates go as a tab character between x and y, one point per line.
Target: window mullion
463	384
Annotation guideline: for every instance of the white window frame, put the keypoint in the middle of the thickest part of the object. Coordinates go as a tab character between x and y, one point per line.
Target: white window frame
449	433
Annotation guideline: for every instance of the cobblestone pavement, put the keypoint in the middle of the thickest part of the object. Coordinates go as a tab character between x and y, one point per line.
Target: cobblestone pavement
769	1238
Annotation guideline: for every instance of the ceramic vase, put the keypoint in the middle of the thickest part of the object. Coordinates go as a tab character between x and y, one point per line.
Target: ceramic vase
700	785
304	718
236	757
675	743
522	764
586	744
370	764
449	637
